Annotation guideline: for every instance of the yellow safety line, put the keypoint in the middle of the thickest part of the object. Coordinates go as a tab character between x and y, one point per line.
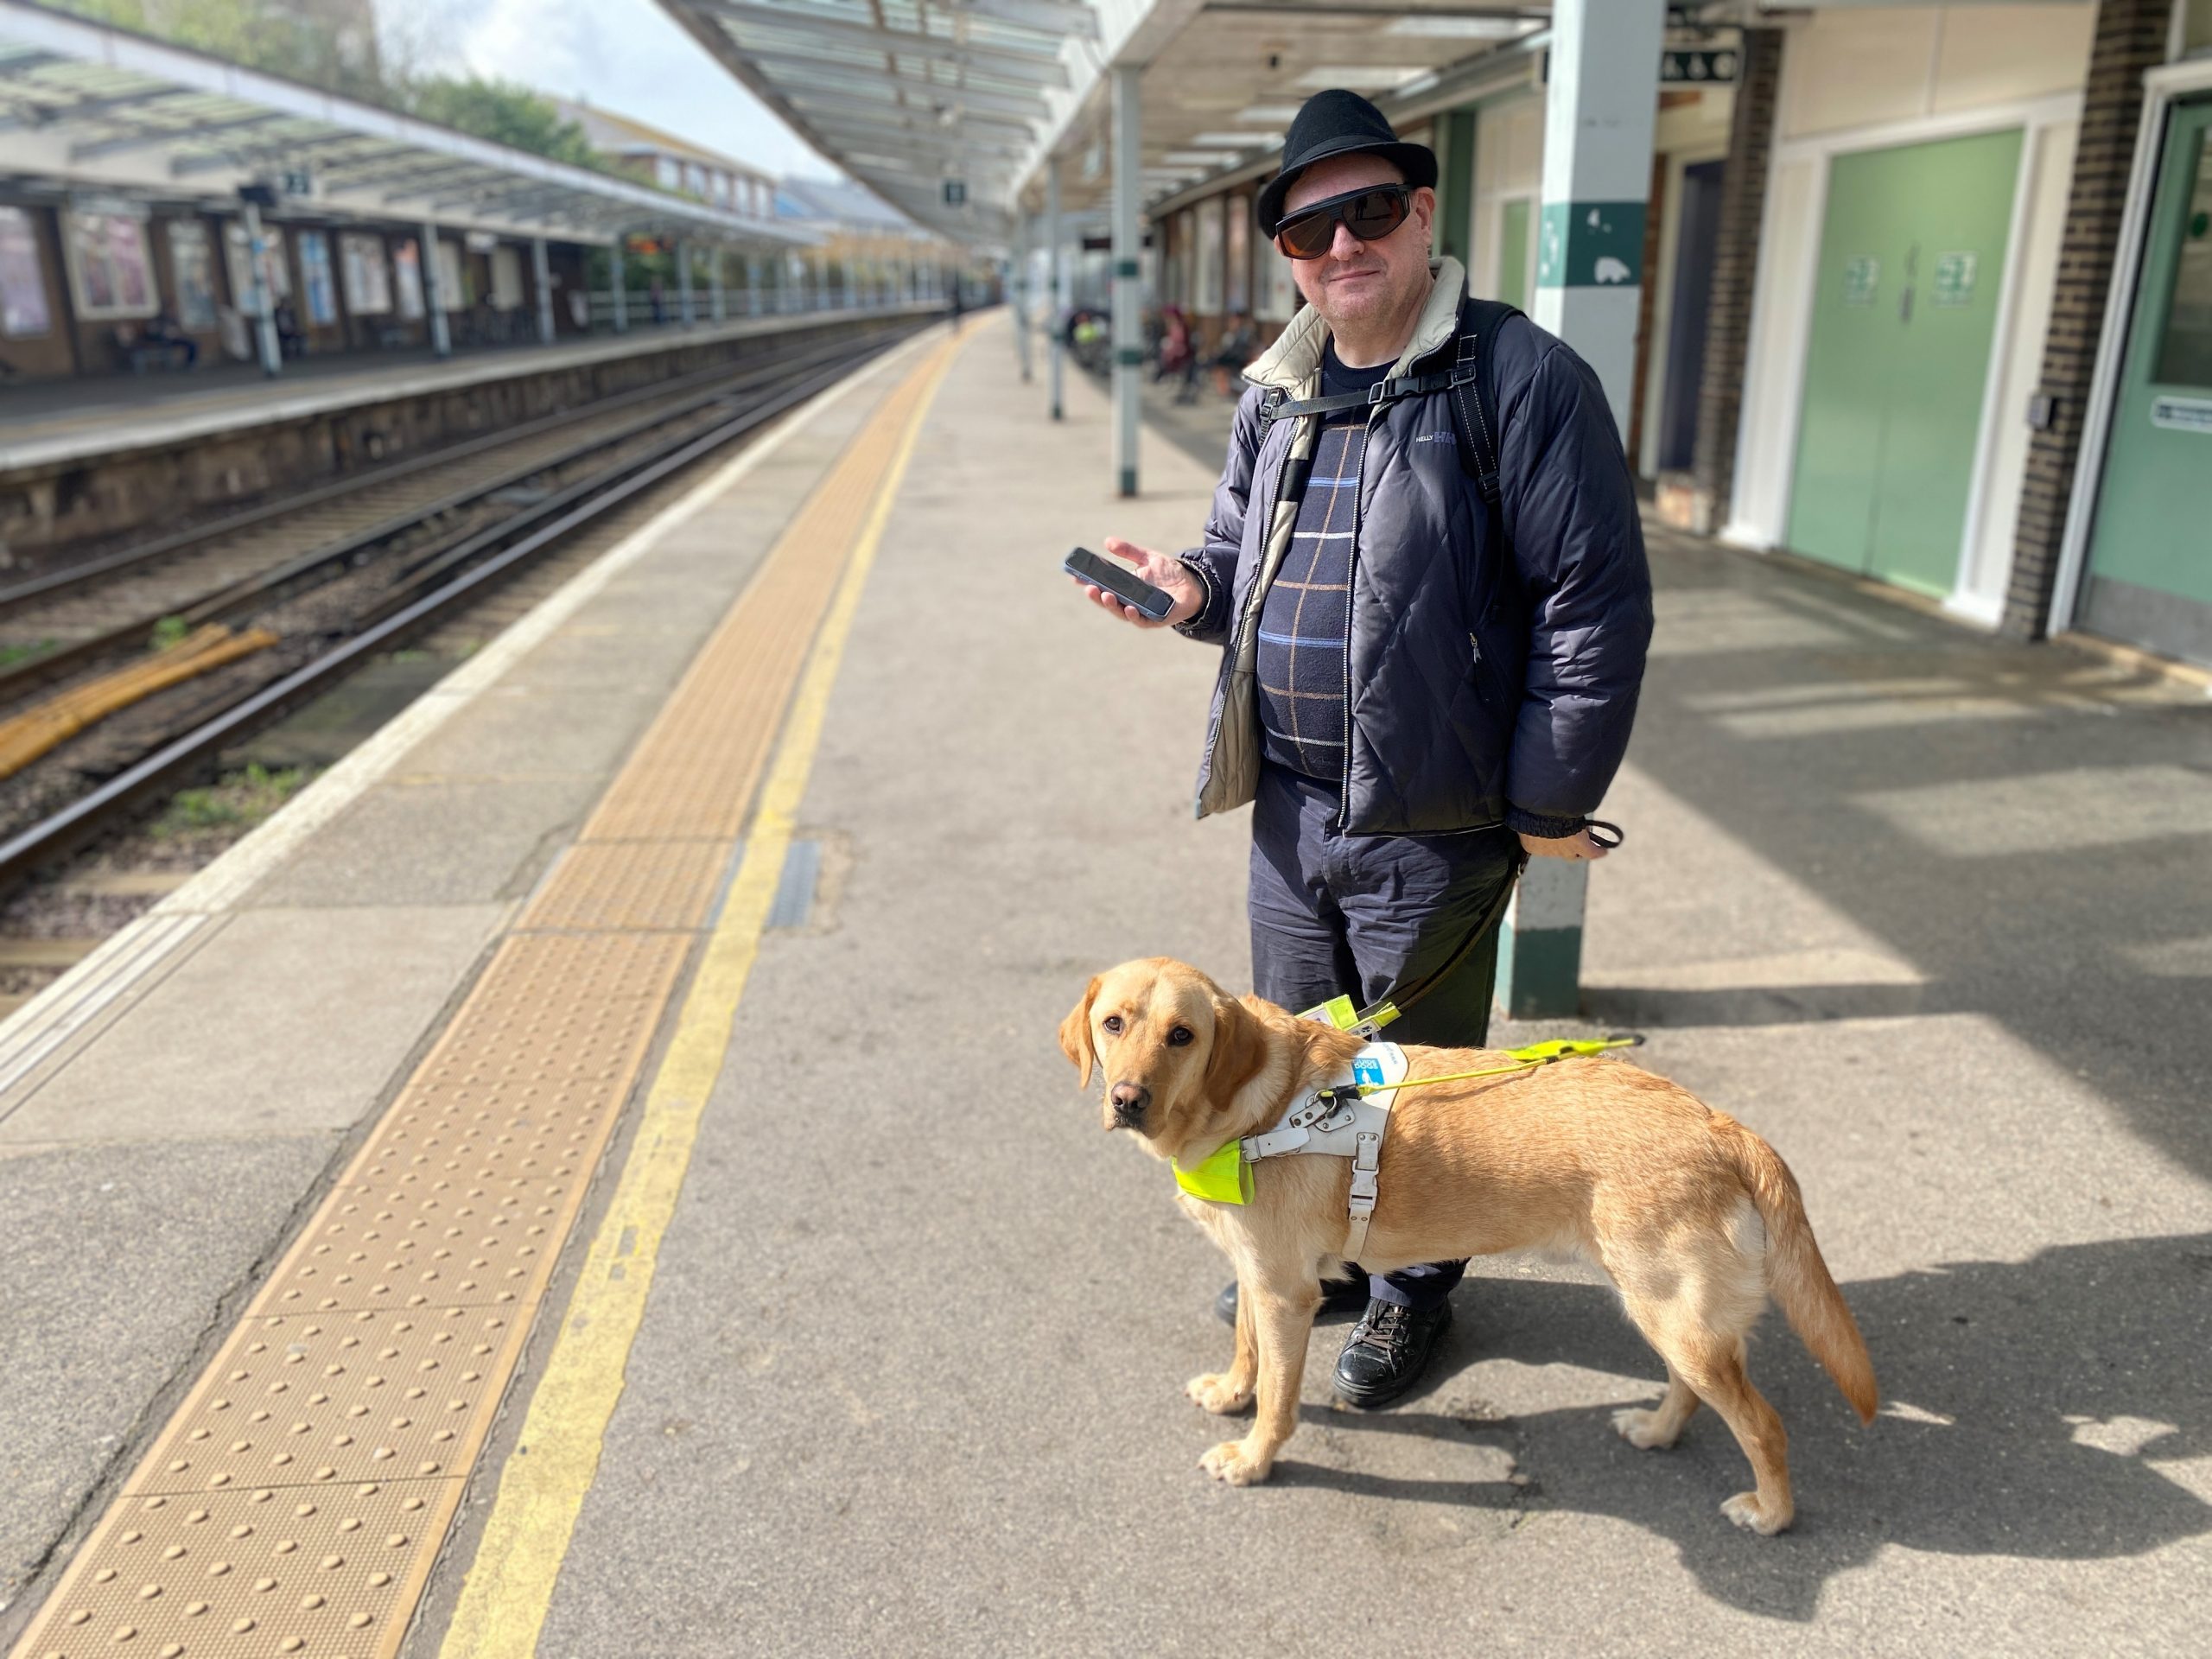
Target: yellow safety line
510	1585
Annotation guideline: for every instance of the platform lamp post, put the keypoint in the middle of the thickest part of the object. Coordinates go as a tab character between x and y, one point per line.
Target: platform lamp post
542	272
1129	323
1598	113
620	280
434	284
683	283
1059	301
1019	293
264	299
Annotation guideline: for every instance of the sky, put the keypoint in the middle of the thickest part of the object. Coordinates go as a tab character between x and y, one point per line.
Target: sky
627	57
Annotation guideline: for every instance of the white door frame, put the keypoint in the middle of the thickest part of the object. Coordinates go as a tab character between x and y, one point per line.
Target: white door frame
2162	88
1794	310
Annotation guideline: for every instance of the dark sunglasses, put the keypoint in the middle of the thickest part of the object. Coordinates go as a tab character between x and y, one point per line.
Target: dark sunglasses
1369	215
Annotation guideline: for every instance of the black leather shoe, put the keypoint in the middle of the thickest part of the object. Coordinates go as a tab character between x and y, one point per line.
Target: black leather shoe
1338	1296
1388	1351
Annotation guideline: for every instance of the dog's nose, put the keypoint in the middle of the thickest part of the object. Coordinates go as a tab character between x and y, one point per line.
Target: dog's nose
1130	1101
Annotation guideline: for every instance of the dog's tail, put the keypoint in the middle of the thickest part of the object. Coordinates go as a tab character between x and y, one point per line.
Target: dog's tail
1796	1272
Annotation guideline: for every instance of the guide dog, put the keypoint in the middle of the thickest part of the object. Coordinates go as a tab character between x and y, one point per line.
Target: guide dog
1696	1218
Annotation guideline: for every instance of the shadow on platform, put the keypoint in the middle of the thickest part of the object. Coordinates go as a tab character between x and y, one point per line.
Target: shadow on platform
2028	1406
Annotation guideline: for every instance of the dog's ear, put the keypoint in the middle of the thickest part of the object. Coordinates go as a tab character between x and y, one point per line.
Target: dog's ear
1240	1049
1075	1032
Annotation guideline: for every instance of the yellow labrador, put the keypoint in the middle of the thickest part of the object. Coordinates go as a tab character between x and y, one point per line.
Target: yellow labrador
1695	1218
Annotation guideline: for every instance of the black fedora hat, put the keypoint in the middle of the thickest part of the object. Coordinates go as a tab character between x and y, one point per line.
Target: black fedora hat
1339	123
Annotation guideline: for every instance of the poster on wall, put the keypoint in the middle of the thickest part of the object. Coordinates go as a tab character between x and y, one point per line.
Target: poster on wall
192	264
109	274
315	277
237	260
367	277
407	278
452	296
506	279
23	310
1240	253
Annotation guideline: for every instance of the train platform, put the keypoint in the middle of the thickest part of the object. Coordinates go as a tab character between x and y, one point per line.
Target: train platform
594	1175
60	421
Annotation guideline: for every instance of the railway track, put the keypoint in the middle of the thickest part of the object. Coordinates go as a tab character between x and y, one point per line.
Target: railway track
337	594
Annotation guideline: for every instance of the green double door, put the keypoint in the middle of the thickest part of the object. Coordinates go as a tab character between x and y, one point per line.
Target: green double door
1912	260
2150	570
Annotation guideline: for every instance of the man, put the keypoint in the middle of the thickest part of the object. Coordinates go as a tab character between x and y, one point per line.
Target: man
1417	689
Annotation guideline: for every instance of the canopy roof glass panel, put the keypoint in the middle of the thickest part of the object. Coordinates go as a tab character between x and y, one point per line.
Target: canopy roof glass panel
933	104
85	107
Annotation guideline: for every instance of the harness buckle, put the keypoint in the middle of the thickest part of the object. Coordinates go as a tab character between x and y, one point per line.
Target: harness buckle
1374	393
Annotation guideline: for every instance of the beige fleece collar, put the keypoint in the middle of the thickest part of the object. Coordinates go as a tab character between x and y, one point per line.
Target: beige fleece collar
1295	357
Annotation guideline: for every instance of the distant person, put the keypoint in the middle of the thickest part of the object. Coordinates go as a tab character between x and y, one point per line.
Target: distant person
163	329
290	341
1175	347
657	299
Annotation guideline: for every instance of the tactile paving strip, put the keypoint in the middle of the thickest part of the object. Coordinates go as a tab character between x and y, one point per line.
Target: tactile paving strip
630	885
295	1503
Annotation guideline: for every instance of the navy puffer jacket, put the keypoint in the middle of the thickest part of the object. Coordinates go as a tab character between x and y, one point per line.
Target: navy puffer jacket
1491	680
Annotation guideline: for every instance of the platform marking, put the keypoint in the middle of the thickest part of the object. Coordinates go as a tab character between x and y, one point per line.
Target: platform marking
510	1585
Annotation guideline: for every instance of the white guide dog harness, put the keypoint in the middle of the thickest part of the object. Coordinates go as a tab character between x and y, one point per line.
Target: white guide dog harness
1320	1125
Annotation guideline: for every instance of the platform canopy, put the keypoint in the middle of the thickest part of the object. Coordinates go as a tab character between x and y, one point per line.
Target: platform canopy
935	105
88	109
1221	79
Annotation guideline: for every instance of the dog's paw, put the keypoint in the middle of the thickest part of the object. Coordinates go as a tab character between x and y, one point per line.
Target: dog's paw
1230	1462
1748	1512
1216	1394
1644	1429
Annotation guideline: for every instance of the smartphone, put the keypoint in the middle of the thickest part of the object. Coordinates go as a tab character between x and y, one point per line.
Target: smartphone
1119	581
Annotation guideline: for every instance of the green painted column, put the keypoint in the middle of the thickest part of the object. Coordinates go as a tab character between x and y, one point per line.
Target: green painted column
1601	101
1456	187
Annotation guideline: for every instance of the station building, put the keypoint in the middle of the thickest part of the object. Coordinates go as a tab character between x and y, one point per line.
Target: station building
1924	293
137	178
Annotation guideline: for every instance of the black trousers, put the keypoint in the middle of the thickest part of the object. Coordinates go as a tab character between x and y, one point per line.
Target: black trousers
1364	916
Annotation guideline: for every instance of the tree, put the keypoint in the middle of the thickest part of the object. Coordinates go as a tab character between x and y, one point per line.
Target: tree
501	112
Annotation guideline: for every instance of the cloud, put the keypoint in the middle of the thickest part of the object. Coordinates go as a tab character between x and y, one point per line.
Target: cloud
627	57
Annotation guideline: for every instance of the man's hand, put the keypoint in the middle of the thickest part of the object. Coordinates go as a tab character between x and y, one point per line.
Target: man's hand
1580	844
1164	571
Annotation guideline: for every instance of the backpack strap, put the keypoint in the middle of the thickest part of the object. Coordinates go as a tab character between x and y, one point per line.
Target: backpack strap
1474	392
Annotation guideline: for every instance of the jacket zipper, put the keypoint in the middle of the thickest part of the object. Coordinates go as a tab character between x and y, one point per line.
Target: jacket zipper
1351	579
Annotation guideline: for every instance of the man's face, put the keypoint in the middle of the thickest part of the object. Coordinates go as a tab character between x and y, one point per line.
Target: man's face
1356	283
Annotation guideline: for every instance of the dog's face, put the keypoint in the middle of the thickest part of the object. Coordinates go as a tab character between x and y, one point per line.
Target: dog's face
1174	1048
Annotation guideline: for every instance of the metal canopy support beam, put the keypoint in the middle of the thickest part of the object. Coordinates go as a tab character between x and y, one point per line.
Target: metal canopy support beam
1128	335
542	275
247	156
803	75
146	137
1003	92
434	283
84	109
714	308
1043	61
751	285
683	283
1046	16
620	281
1052	247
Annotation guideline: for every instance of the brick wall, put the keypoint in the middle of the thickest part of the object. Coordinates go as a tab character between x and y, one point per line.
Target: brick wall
2130	38
1735	267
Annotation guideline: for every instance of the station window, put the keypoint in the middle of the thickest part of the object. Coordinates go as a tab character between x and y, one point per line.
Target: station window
2185	346
666	173
2196	29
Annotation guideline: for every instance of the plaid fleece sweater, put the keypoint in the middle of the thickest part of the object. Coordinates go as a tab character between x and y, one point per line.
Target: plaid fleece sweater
1306	619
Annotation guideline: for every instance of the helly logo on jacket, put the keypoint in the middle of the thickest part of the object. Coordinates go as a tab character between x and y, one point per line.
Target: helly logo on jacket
1433	438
